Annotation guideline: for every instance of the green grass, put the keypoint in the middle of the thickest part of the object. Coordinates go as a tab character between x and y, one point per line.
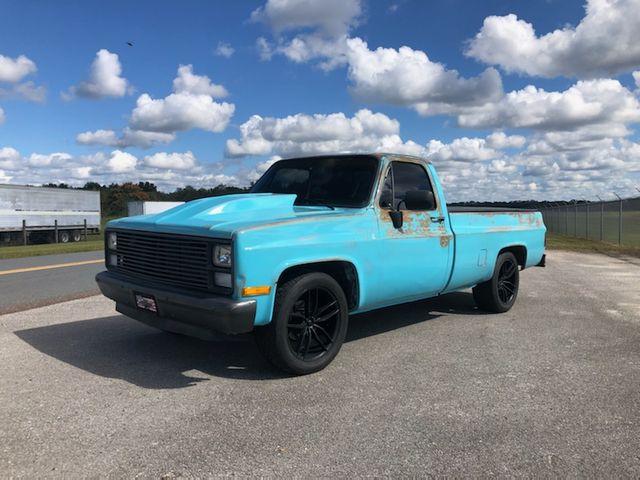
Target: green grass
93	243
561	242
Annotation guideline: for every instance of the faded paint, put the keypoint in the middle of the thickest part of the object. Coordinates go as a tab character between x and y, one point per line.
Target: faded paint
270	234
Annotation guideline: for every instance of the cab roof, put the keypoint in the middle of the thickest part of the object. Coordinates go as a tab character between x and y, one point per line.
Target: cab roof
372	154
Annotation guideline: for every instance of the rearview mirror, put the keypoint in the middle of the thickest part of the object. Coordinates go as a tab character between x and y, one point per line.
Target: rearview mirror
419	200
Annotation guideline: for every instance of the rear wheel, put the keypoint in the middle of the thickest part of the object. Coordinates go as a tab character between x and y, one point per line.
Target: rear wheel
309	324
77	235
500	292
63	236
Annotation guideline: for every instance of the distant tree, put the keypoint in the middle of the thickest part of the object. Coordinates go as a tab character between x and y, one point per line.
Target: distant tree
147	187
114	198
92	186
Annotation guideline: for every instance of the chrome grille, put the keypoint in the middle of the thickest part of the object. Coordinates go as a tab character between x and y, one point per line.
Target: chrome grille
174	260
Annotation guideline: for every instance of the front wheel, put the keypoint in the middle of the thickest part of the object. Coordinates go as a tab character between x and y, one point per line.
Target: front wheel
500	292
309	324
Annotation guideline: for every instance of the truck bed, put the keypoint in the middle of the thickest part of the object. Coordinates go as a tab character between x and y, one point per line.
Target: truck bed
479	235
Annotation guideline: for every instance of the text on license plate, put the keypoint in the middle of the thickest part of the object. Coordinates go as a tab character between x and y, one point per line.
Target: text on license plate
146	302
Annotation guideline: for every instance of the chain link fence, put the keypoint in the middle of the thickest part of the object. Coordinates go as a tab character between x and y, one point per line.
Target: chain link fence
616	221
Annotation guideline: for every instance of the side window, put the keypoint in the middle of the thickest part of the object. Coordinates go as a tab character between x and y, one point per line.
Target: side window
386	196
408	177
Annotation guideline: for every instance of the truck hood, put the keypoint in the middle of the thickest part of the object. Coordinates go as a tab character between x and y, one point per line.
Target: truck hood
221	216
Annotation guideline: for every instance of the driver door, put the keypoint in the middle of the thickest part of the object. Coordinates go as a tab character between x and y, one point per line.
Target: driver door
415	257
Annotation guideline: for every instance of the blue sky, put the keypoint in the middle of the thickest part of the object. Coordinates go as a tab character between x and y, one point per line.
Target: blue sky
502	157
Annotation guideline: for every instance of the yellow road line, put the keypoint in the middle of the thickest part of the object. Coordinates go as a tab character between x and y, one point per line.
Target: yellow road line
49	267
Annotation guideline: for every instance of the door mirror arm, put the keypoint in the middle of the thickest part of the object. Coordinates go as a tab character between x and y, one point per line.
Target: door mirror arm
397	218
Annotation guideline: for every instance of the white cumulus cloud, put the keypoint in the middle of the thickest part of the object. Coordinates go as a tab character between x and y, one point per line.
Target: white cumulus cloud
403	76
501	140
177	161
460	150
129	138
188	82
121	162
190	106
10	158
105	79
224	50
408	77
588	102
12	70
47	160
303	134
25	91
331	17
605	42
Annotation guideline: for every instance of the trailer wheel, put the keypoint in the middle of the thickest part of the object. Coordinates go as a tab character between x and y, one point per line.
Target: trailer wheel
309	324
76	235
63	236
498	294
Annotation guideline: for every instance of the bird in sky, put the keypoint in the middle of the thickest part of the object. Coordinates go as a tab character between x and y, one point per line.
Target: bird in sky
130	44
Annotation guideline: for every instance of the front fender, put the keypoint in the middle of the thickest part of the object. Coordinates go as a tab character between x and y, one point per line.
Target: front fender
262	255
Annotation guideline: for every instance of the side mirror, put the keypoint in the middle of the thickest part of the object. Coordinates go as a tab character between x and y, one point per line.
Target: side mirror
396	218
419	200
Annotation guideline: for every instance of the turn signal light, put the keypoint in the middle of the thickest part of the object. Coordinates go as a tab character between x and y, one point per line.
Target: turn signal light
254	291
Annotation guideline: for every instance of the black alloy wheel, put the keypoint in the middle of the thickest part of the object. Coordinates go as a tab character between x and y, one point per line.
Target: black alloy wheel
313	324
308	326
499	293
507	280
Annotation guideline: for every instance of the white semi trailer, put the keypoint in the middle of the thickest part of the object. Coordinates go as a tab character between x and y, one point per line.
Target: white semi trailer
37	214
147	208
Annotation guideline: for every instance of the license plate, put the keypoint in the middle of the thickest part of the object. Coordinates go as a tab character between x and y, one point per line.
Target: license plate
146	302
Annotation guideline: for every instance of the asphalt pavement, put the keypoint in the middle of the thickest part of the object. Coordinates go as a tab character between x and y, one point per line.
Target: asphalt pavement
434	388
37	281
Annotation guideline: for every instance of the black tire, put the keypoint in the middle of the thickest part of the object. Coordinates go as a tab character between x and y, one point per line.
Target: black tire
63	236
309	324
76	235
498	294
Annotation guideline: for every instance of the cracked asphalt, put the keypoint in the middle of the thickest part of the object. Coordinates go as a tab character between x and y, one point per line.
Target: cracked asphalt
434	388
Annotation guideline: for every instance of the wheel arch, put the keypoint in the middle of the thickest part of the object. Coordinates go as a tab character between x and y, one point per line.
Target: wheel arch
519	251
342	271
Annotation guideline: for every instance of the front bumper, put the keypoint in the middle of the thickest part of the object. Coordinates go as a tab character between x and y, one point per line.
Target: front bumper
193	314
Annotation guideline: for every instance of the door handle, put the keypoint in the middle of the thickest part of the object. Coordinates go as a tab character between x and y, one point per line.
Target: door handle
437	219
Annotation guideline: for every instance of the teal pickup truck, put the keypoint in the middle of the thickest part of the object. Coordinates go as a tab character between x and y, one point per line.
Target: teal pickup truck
315	240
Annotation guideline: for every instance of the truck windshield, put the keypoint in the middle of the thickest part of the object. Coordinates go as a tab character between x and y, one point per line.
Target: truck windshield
344	181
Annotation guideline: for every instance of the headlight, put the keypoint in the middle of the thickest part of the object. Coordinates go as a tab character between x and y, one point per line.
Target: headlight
112	240
222	256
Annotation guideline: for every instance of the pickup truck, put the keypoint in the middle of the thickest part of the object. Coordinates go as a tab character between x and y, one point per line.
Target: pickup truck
315	240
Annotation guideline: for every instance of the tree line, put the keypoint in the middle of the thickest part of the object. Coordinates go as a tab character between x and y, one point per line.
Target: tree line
114	197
